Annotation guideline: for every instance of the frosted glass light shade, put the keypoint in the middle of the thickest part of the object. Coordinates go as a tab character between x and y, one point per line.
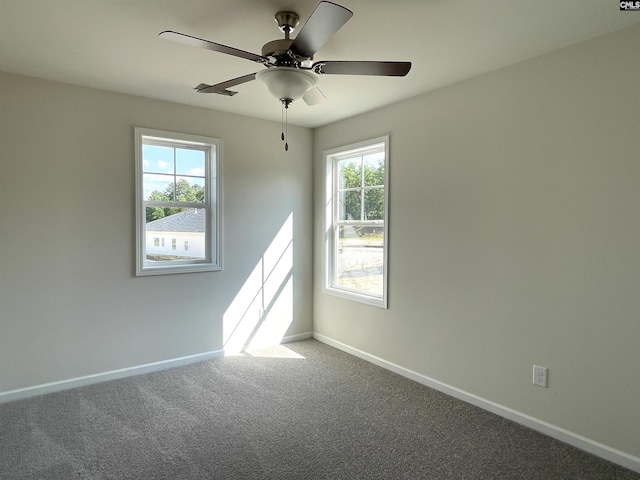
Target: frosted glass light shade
286	83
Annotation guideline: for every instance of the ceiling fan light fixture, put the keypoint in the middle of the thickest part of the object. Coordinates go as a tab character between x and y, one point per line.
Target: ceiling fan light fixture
286	83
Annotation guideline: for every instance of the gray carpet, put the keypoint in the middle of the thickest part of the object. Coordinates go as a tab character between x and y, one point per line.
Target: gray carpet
328	415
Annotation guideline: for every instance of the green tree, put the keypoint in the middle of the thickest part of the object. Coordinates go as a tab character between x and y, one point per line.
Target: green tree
154	213
181	191
374	197
354	176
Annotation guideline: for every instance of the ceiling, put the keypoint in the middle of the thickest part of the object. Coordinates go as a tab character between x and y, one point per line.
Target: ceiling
114	45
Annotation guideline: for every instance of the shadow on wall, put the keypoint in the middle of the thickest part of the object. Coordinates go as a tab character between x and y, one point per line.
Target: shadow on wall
262	311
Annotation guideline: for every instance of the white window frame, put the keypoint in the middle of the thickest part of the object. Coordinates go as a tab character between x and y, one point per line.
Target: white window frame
331	222
212	204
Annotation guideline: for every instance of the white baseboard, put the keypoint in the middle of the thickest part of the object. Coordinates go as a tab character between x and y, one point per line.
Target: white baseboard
69	383
297	337
595	448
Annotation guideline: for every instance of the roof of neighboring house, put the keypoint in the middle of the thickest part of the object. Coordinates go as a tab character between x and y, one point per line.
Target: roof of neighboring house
190	220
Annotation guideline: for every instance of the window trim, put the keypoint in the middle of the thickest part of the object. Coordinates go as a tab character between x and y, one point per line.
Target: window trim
329	226
213	175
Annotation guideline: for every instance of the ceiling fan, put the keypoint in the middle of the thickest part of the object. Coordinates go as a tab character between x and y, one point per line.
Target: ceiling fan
291	73
293	58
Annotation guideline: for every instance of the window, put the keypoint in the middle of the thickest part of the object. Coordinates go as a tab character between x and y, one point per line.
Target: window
356	193
177	196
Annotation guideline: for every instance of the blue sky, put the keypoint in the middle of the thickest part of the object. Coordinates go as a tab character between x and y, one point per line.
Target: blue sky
164	165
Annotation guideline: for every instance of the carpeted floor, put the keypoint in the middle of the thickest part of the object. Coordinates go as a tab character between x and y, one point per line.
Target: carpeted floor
301	411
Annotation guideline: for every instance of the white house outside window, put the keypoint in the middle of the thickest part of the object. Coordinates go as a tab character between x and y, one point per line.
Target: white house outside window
356	192
177	197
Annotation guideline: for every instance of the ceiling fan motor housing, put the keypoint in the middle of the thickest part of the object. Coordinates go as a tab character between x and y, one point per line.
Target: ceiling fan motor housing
277	48
280	49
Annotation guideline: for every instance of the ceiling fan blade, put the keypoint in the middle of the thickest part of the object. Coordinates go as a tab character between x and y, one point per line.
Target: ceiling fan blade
387	69
221	88
216	47
325	20
314	96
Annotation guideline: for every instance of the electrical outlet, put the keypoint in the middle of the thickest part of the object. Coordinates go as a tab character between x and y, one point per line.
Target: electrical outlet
540	376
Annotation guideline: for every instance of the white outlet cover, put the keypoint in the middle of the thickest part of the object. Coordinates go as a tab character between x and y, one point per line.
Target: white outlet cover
540	376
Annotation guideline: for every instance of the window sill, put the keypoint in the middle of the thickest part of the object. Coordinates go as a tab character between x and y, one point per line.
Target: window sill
374	301
173	269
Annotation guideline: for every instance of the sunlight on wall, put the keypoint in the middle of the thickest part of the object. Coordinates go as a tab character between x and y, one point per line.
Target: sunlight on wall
262	310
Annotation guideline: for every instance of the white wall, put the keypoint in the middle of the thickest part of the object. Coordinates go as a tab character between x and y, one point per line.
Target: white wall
514	234
70	304
514	239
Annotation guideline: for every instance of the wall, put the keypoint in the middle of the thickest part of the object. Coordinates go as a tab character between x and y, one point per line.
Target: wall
514	239
70	305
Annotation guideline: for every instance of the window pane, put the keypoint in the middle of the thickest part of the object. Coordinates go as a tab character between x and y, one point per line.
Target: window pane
355	198
190	162
182	231
157	159
374	203
350	206
374	169
177	211
157	187
360	258
189	189
349	173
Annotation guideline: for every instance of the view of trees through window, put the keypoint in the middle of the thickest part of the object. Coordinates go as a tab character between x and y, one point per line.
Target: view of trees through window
181	191
361	187
359	221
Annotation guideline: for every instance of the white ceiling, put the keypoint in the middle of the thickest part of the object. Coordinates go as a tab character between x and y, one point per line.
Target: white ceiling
114	45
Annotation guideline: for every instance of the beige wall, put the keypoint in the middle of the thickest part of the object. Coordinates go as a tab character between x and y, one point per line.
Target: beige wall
514	238
70	304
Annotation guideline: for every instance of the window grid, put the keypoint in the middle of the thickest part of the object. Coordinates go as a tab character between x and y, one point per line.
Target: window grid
177	192
355	252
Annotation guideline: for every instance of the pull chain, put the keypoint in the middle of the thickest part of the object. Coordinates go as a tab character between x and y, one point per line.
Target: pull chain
284	122
286	128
